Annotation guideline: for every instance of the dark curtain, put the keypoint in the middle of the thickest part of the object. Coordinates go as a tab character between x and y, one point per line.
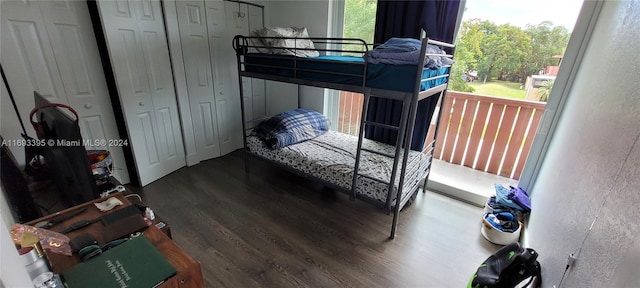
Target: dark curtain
407	19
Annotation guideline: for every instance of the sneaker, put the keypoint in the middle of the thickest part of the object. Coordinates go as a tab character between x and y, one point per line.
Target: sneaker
503	221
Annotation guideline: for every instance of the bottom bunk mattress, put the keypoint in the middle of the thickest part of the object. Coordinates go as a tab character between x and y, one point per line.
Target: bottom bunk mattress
331	157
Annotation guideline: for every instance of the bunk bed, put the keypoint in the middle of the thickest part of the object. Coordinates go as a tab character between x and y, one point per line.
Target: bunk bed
384	175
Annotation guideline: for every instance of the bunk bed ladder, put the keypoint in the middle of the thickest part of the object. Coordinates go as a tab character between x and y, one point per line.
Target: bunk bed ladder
365	108
408	120
400	140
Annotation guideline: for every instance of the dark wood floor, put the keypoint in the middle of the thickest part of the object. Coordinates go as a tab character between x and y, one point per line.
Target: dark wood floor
270	228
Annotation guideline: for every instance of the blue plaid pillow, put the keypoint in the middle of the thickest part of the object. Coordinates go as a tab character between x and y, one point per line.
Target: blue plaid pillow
291	127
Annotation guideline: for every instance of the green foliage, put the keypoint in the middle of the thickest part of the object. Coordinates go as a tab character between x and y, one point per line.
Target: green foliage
456	81
359	21
508	52
469	44
500	88
545	90
546	42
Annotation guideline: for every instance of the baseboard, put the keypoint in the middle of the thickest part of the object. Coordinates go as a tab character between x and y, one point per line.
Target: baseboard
457	193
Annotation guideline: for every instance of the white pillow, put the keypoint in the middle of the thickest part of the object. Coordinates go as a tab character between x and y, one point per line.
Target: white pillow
289	45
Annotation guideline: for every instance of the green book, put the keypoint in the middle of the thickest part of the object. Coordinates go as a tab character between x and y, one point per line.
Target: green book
135	263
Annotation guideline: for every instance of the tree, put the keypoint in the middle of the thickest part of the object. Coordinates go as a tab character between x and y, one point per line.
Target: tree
456	81
503	53
546	41
545	90
466	55
508	52
359	21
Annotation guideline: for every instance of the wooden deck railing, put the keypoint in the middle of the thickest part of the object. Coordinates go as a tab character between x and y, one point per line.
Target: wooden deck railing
486	133
350	112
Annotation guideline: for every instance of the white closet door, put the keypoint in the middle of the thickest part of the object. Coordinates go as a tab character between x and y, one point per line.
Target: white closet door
258	92
50	47
237	24
158	64
224	69
139	54
76	52
195	48
27	56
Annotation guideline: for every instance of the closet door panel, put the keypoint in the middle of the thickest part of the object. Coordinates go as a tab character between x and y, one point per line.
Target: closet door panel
216	23
76	53
158	70
166	121
256	20
220	51
27	56
140	58
195	47
237	23
257	86
125	49
146	122
247	94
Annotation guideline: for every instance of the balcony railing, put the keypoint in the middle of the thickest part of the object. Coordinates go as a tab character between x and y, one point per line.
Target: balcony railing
486	133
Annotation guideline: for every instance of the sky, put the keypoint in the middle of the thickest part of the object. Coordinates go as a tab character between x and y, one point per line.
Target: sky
523	12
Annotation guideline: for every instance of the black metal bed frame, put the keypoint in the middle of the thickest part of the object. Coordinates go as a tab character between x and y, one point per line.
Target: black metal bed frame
243	44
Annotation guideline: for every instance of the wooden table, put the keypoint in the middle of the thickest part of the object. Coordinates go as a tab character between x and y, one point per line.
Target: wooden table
189	271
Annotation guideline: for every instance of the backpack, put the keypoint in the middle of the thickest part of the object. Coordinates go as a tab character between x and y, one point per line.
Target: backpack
508	267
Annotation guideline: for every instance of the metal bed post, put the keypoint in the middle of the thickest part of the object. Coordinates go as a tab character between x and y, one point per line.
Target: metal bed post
408	137
409	134
366	93
400	141
435	137
365	110
237	47
443	94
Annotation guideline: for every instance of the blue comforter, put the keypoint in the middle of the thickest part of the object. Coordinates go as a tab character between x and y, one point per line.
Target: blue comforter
402	51
291	127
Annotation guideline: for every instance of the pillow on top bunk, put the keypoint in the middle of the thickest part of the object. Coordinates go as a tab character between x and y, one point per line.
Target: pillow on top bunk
291	127
293	45
406	51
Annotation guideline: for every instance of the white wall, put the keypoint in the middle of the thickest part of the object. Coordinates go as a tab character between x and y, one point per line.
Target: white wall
11	273
314	15
593	163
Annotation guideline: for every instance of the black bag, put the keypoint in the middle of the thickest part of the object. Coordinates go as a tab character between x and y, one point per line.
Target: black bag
508	267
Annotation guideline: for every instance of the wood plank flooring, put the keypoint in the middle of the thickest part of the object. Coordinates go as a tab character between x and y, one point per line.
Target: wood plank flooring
270	228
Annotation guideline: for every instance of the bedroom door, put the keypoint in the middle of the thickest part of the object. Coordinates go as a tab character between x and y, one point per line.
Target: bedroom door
138	49
50	47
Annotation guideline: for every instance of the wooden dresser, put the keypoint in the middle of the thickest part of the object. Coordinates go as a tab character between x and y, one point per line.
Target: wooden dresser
189	271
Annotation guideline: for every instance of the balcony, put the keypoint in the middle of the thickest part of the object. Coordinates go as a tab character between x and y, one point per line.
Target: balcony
482	140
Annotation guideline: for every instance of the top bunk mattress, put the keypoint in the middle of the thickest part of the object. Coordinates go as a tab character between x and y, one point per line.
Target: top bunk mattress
343	70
